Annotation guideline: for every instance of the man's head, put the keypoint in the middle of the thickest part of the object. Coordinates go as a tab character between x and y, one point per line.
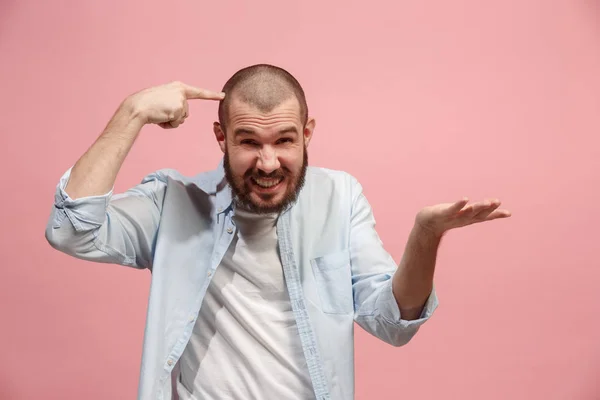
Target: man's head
264	130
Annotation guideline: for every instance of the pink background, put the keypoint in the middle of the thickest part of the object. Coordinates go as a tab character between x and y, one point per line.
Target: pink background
424	102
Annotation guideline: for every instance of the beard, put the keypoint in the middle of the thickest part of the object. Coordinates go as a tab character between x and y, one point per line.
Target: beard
242	190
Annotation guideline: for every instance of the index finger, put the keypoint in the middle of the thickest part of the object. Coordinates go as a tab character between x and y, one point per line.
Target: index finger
192	92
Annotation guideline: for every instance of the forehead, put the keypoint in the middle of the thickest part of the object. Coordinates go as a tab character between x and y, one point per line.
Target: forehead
244	113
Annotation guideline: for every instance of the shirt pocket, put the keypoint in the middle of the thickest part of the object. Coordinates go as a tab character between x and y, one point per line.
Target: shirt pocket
333	278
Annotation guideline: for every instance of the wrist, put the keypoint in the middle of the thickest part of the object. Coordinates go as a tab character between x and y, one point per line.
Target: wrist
126	123
133	112
426	234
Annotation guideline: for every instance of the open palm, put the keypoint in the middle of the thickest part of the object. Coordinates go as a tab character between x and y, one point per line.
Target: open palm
440	218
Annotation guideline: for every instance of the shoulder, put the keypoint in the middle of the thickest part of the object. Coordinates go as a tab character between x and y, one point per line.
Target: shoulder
163	175
331	183
336	177
322	173
206	181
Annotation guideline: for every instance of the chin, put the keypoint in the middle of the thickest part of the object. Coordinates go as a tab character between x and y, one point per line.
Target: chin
272	203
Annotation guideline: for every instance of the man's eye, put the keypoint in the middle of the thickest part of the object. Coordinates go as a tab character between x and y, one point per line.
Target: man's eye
249	142
285	140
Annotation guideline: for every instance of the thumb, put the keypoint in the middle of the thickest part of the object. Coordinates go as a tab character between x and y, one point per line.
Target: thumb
192	92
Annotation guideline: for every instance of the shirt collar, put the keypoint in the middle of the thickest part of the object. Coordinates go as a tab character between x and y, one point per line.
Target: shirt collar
214	183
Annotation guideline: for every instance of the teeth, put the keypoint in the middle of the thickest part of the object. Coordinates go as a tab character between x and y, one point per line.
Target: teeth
267	183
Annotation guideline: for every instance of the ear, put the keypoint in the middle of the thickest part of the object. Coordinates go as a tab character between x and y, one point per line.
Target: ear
308	130
219	135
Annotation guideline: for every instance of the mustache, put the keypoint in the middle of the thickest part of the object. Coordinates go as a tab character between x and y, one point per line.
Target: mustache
279	173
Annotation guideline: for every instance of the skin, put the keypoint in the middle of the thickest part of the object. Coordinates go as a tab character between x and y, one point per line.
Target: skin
267	148
261	144
268	142
413	280
167	106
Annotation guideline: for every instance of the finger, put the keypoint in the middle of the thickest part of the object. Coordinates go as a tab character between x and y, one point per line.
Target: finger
186	110
183	114
456	207
192	92
476	208
482	210
177	115
171	119
165	125
498	214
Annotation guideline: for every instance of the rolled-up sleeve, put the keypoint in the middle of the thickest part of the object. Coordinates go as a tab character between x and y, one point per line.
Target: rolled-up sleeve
84	213
109	228
386	320
376	309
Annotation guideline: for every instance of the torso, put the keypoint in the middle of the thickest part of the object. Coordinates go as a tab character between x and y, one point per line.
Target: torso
245	342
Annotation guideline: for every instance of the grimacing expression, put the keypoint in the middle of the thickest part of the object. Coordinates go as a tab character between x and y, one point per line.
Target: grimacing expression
265	158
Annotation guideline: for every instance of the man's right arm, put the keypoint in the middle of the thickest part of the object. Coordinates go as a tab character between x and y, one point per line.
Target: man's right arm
91	223
96	171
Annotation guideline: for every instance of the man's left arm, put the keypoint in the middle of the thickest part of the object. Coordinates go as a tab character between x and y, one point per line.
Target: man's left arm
413	280
392	301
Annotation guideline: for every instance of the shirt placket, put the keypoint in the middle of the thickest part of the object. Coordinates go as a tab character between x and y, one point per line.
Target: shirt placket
305	329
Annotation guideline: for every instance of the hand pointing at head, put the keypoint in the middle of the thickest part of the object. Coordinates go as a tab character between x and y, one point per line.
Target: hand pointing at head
167	105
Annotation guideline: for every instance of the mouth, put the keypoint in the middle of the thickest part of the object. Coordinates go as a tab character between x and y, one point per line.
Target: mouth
267	185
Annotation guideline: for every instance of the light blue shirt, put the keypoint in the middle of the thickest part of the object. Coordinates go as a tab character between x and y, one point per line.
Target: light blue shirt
335	267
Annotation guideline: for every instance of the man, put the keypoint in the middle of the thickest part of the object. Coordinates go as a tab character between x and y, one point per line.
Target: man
259	268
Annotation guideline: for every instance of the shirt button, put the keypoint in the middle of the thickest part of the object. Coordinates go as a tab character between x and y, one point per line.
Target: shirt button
170	362
191	318
229	230
220	209
209	273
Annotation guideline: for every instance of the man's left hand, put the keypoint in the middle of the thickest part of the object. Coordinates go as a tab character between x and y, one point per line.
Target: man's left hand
440	218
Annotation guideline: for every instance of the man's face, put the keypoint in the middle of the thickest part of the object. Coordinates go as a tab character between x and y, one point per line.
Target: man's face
265	154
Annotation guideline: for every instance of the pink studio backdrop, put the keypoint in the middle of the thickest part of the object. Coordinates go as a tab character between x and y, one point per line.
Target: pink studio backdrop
424	102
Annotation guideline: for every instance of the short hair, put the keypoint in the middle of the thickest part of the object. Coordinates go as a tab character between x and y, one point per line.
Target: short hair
263	86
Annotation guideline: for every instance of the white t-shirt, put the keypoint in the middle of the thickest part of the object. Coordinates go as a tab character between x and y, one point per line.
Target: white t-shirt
245	343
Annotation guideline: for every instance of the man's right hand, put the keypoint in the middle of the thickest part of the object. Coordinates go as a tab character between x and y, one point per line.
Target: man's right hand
167	105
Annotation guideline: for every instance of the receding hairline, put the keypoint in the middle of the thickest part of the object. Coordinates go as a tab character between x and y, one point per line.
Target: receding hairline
288	99
262	86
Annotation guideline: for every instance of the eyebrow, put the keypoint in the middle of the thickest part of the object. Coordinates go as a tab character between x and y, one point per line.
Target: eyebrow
247	131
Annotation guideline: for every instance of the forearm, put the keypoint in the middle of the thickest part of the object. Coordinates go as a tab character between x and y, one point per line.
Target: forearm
413	280
96	171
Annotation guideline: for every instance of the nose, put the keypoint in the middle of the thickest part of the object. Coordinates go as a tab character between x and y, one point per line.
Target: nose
268	160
